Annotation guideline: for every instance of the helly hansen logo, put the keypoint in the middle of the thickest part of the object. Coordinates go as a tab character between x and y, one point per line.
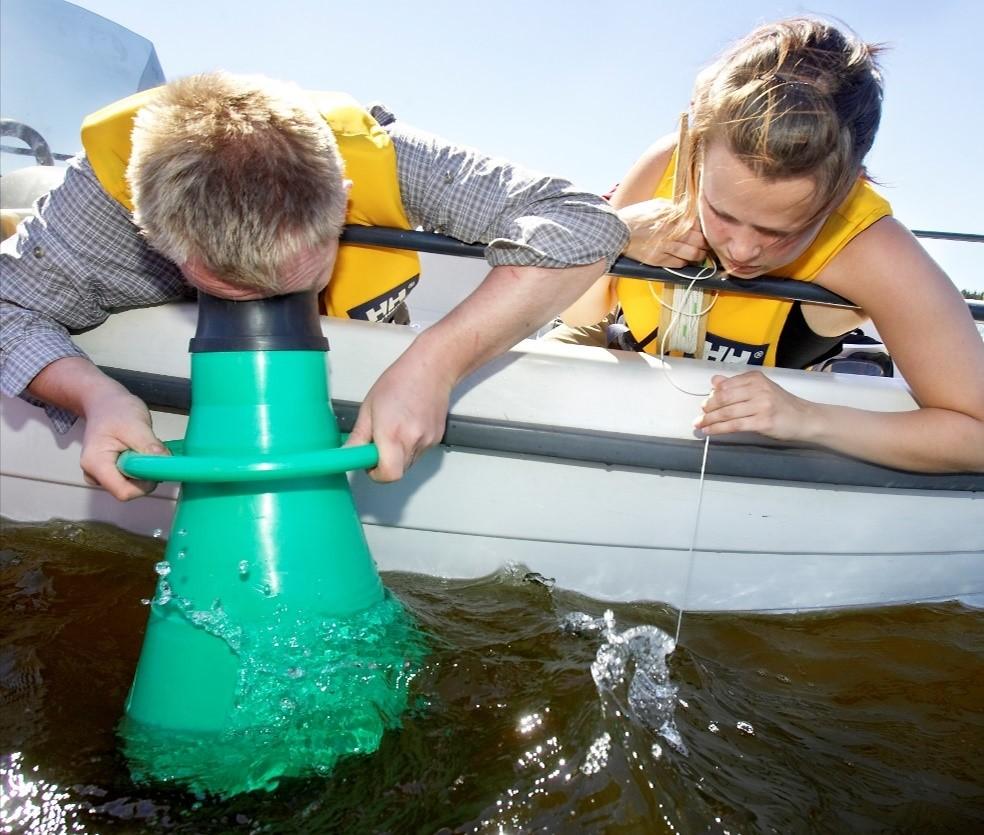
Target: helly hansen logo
719	349
381	308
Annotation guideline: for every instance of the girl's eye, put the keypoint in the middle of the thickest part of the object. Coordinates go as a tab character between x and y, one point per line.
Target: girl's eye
721	216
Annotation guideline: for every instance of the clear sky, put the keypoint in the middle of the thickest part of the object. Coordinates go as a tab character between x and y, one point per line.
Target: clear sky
580	88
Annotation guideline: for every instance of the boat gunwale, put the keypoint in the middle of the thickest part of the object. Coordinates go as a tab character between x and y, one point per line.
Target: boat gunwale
742	460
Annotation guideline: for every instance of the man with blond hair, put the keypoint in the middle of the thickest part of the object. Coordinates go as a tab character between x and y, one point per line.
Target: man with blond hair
235	186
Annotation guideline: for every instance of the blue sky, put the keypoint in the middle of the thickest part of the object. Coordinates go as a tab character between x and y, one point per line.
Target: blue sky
580	88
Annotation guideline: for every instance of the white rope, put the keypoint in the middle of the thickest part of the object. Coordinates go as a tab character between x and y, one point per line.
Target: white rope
664	340
693	541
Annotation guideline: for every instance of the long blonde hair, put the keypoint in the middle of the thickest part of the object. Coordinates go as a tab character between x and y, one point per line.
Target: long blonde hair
792	98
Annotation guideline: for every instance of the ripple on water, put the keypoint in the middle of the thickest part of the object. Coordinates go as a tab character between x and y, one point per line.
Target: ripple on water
866	720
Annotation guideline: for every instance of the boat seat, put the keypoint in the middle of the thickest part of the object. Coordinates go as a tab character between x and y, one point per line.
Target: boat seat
20	189
8	223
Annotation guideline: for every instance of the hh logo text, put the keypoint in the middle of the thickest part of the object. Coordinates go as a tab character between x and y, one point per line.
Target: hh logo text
719	349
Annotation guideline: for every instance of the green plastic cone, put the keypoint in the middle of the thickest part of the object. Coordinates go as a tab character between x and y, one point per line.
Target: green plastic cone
266	561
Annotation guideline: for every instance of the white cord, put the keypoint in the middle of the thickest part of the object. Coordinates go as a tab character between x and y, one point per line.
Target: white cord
664	338
686	314
674	321
693	541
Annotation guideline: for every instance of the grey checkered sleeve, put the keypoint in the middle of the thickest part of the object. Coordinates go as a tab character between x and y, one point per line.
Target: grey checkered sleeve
72	263
526	218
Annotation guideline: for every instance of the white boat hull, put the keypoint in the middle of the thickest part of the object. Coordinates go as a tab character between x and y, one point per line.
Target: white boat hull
552	483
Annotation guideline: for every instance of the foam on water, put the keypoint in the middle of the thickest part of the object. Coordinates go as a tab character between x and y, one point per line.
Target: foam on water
631	673
311	690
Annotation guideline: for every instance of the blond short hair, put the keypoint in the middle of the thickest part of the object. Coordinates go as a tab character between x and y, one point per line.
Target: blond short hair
238	172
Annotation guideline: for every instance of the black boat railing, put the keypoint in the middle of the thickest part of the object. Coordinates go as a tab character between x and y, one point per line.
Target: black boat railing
768	286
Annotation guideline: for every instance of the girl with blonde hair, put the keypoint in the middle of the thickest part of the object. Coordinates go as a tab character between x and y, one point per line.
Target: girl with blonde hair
766	176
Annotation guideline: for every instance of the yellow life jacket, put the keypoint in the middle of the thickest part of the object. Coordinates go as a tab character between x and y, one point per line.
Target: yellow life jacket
367	282
745	329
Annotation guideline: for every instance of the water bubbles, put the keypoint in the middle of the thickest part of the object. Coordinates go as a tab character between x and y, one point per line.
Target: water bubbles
144	601
631	673
182	553
538	579
746	728
597	757
656	751
244	569
182	532
266	589
529	723
672	736
299	703
163	568
215	621
713	728
164	593
579	623
157	533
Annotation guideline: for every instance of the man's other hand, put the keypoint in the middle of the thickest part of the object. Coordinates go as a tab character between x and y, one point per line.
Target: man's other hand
404	413
115	421
114	424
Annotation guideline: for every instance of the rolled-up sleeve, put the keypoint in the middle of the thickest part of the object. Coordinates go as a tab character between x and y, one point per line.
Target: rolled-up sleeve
75	260
30	343
525	218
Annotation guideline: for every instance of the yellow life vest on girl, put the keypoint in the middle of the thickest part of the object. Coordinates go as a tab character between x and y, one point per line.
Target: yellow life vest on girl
746	329
367	282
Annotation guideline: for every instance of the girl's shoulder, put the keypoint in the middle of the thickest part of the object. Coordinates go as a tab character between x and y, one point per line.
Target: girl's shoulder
643	178
883	258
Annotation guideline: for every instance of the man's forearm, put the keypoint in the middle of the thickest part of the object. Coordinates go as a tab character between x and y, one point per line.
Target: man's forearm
115	421
509	305
73	383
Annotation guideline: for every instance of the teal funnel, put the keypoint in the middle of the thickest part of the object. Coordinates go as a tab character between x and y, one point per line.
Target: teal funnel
269	613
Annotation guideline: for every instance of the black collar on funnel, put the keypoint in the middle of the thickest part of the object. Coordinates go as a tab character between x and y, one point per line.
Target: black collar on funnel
277	323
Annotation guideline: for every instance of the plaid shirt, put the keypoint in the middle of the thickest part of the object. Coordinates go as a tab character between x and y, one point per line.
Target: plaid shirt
80	257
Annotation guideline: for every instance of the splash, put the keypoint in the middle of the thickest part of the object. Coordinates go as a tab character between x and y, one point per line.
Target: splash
311	690
630	671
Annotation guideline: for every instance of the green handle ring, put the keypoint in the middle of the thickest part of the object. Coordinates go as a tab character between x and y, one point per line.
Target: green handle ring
179	467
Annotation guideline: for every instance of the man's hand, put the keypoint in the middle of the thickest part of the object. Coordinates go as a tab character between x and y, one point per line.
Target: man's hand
404	413
751	402
406	410
657	239
115	421
113	424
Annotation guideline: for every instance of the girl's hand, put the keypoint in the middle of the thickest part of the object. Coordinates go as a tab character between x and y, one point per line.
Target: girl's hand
751	402
657	238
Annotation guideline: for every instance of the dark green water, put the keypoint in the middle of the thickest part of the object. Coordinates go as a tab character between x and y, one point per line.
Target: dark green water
869	721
